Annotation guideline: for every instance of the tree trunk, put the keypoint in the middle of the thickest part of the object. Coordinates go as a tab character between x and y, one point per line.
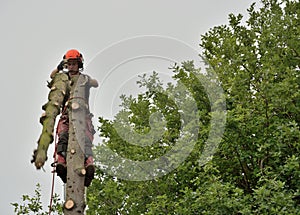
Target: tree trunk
75	190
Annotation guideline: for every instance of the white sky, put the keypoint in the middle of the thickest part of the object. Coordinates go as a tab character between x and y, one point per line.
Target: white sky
36	34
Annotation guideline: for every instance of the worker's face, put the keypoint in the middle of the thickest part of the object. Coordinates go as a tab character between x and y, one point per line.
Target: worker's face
73	66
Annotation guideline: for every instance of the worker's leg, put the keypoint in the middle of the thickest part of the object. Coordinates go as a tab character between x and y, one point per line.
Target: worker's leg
62	144
61	147
89	161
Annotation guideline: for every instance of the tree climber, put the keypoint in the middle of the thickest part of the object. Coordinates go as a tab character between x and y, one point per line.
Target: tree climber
73	62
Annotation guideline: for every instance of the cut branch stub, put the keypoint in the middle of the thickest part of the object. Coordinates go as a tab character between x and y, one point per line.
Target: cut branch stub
81	171
69	204
75	106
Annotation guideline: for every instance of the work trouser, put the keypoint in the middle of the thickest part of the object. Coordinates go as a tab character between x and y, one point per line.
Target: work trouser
63	136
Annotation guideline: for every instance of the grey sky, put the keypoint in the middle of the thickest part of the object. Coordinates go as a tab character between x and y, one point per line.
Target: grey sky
34	37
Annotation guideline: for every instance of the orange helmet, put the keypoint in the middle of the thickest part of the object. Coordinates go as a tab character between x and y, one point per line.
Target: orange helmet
74	54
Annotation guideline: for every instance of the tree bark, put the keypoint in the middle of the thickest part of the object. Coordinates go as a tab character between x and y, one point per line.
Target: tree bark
75	190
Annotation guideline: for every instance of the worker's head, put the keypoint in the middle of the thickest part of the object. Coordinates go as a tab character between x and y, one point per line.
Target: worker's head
73	65
74	60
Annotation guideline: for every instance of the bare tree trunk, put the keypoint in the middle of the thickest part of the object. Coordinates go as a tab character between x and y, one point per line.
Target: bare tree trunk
75	190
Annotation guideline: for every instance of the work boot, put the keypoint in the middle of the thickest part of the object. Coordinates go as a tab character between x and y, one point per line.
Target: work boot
61	168
90	171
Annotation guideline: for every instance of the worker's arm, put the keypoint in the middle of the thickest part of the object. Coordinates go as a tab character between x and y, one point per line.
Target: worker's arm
53	73
93	83
59	67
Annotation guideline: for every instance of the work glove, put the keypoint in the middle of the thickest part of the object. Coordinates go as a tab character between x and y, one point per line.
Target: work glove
61	65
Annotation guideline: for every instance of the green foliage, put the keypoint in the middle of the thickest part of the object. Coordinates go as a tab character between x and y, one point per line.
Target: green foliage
259	70
258	65
33	205
256	168
133	197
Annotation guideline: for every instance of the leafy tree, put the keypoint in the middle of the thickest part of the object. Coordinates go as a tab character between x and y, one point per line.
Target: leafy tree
259	68
134	197
33	205
256	167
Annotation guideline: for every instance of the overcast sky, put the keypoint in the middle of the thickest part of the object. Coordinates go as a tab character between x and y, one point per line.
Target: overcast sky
36	34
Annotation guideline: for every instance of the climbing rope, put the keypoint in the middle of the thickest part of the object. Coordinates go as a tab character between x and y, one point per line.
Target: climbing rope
53	177
52	191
